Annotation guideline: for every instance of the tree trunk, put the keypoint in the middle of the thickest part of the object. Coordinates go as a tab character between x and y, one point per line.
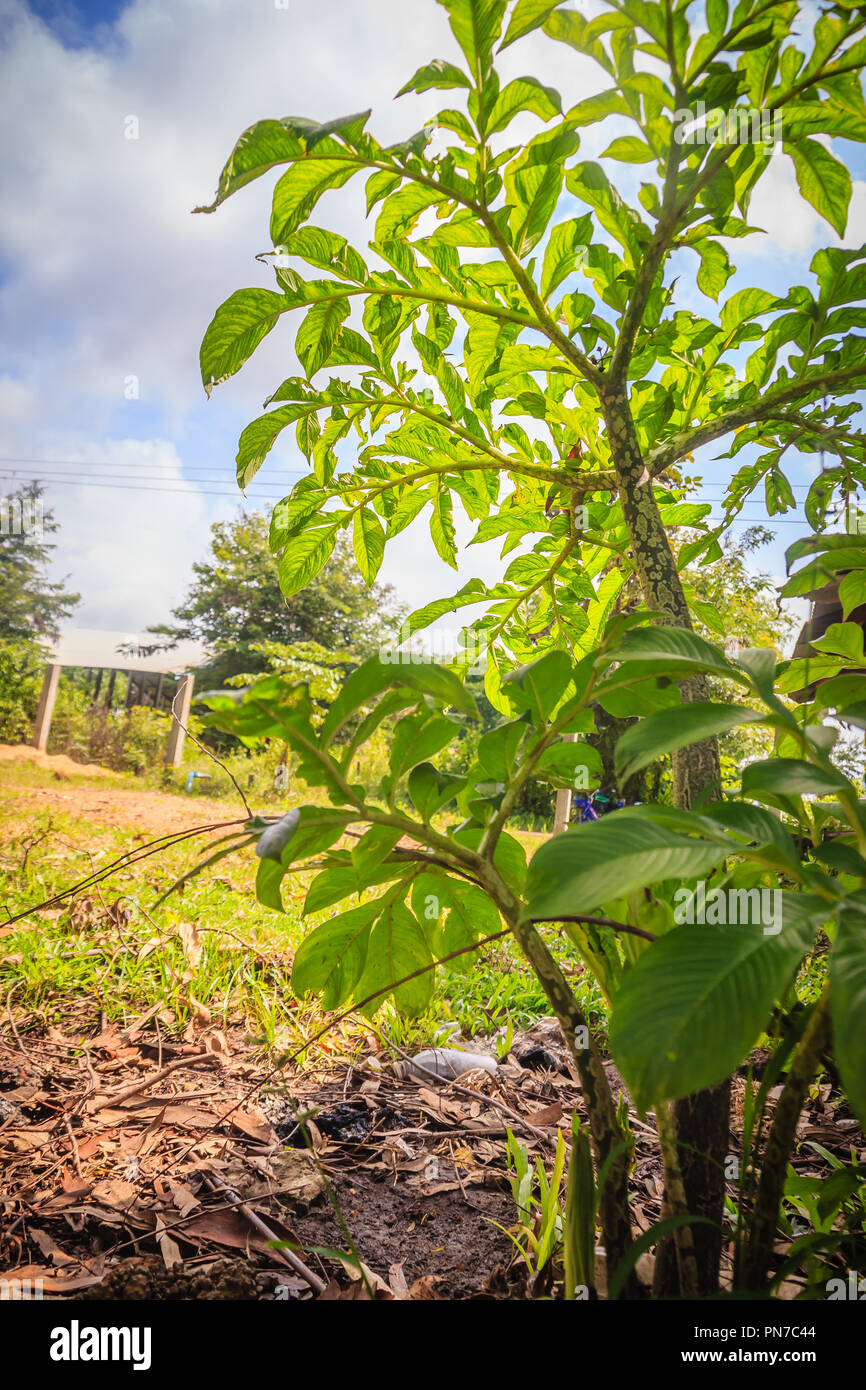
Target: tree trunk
702	1121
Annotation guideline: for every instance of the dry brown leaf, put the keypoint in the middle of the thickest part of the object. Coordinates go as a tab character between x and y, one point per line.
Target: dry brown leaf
114	1192
550	1115
169	1249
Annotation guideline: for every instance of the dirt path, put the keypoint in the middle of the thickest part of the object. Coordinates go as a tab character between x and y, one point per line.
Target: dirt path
102	802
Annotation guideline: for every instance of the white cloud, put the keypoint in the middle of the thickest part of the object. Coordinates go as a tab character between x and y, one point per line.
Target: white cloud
106	275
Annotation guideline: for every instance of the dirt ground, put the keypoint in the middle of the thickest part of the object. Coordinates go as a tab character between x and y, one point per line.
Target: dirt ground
150	813
138	1165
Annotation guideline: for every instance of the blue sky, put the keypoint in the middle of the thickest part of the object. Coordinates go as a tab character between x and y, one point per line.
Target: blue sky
107	282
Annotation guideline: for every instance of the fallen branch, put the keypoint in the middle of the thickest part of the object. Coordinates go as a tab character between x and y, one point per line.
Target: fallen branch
288	1257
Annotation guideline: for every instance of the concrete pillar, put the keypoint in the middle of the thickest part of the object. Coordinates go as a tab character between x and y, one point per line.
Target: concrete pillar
562	813
180	712
47	696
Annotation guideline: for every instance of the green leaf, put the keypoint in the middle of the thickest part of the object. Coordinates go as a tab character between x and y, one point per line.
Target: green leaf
442	527
670	651
318	333
842	639
629	149
590	864
565	248
234	333
397	947
589	182
401	210
717	16
476	25
430	789
696	1001
261	147
791	777
453	913
416	738
331	959
539	686
368	540
439	73
823	181
533	183
562	761
526	16
497	749
671	729
523	94
848	1002
852	591
715	269
301	187
304	556
509	855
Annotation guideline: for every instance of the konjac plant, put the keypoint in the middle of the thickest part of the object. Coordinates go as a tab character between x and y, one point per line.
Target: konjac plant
510	346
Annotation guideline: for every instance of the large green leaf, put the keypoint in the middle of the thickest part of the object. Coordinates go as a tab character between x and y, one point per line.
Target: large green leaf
670	651
663	733
318	333
454	913
695	1002
791	777
331	959
526	16
539	686
304	556
823	181
533	183
523	94
848	1001
368	538
301	187
397	947
235	332
261	147
476	25
439	73
577	871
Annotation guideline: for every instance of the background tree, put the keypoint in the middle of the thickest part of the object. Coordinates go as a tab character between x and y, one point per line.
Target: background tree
235	605
32	607
552	388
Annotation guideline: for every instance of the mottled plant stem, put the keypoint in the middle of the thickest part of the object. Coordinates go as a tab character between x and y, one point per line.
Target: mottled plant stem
607	1135
701	1121
780	1143
687	1265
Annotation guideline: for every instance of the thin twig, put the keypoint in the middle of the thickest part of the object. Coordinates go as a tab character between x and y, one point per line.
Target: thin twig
597	922
210	754
149	1081
288	1257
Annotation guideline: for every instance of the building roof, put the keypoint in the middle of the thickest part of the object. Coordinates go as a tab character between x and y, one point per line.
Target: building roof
124	651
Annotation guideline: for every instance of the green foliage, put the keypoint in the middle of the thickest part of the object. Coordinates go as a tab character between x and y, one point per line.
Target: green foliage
501	355
31	607
476	383
22	664
236	608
